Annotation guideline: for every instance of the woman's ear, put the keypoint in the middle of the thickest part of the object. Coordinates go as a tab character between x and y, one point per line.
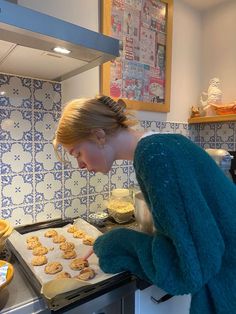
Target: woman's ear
99	135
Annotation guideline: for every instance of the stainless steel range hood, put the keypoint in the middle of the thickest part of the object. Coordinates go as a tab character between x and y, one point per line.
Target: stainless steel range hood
27	39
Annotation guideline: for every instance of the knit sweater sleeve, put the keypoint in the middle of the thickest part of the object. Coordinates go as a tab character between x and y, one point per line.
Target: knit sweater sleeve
188	247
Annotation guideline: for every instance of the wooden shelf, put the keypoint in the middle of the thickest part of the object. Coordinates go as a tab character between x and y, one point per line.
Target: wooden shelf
219	118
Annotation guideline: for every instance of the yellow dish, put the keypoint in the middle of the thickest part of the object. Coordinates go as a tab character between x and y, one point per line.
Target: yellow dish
10	273
4	225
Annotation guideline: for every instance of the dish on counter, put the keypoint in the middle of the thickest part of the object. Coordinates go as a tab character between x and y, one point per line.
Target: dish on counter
9	275
98	218
225	109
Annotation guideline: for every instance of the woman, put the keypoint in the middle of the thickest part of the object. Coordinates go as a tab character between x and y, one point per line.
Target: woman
192	202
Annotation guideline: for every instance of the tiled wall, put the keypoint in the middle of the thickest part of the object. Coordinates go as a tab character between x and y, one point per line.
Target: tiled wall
34	185
214	135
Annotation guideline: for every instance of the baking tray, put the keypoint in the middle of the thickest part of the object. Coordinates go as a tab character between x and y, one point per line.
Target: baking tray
80	295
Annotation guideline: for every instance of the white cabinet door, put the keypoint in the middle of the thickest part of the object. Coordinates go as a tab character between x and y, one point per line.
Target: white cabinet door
175	305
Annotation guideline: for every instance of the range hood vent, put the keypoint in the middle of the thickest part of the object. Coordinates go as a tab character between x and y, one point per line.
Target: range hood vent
27	39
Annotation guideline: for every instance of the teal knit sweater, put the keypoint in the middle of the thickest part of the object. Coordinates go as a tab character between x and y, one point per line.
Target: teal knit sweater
194	210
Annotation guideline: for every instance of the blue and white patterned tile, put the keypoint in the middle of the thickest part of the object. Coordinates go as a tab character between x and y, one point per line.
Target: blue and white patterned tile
45	158
48	211
16	158
140	126
168	127
48	186
97	203
225	132
151	126
20	215
194	133
75	207
98	183
205	145
182	128
17	189
45	125
16	125
75	183
132	177
15	91
47	95
160	126
226	146
119	178
207	133
121	163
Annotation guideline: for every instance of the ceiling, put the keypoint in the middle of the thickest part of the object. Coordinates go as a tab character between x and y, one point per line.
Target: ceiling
204	4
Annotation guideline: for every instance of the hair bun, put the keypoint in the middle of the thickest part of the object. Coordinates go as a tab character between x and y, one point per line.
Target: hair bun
117	107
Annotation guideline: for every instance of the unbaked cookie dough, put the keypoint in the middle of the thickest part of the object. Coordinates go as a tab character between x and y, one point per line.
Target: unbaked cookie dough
39	260
88	240
69	254
40	250
33	244
67	246
78	264
86	274
53	268
72	229
63	275
59	239
50	233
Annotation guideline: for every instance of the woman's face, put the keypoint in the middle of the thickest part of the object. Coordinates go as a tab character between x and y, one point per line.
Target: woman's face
91	156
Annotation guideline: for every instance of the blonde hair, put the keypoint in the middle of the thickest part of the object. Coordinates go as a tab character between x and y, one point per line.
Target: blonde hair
80	116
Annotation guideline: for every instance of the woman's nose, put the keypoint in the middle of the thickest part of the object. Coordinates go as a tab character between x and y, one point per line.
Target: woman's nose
81	164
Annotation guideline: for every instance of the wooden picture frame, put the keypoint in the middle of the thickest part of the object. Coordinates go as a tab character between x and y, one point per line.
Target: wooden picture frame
141	76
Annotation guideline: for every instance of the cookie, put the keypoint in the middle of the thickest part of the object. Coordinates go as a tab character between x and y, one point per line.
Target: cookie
72	229
40	250
62	275
39	260
79	234
33	244
53	268
67	246
50	233
86	274
69	254
78	264
88	240
32	239
59	239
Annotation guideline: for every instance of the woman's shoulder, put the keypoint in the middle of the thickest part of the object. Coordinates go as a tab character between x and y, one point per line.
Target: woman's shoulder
157	144
151	138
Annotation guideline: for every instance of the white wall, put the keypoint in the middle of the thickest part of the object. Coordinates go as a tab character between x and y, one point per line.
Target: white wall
219	48
186	60
186	72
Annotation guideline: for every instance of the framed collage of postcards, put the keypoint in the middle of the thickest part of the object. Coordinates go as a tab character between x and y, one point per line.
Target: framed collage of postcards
141	75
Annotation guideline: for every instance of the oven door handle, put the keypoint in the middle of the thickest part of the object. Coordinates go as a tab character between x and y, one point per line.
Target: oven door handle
162	299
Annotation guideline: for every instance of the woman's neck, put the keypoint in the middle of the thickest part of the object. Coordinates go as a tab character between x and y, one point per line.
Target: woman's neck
124	143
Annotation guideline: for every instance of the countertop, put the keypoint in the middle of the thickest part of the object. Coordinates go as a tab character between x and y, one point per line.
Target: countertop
19	296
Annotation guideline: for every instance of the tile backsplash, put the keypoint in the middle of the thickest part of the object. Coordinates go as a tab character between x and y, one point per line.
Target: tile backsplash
34	185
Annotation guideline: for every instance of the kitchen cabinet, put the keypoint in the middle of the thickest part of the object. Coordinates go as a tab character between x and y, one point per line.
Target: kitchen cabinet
145	304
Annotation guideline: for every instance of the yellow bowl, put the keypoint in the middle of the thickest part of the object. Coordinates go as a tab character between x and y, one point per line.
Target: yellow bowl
10	273
4	225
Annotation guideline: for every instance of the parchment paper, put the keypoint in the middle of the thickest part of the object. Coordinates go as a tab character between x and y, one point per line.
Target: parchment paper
51	286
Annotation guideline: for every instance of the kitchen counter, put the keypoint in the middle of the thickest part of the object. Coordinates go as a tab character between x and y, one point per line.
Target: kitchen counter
19	296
